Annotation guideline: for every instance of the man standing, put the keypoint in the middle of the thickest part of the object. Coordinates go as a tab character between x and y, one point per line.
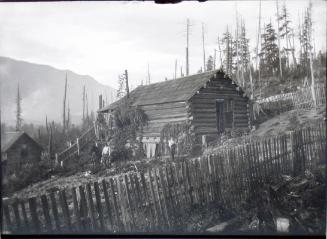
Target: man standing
106	155
172	146
95	155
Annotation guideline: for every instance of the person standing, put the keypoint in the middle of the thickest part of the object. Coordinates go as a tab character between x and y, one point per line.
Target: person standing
106	155
172	147
95	155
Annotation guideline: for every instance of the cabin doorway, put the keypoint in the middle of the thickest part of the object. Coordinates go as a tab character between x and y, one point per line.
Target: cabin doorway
220	115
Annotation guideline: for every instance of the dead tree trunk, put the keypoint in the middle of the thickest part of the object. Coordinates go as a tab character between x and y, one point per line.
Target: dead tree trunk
64	108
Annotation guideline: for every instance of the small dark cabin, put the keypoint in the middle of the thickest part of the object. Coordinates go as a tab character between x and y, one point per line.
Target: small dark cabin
211	102
17	150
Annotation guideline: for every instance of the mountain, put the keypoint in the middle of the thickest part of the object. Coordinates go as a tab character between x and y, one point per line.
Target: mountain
42	89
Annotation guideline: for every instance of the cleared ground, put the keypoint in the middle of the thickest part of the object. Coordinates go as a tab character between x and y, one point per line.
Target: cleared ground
277	125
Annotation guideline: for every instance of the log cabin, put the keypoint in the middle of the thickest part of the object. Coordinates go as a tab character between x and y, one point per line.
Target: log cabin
211	103
17	150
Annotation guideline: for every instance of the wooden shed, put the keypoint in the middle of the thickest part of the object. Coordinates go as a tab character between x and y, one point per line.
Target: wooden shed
210	102
17	150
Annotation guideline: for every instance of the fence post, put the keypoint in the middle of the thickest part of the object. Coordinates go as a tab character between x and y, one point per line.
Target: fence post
292	154
77	143
56	159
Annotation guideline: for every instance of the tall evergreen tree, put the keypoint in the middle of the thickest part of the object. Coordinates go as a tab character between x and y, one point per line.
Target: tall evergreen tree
210	63
19	119
227	41
269	61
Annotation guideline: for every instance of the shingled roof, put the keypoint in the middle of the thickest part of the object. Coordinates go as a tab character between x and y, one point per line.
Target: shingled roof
8	139
177	90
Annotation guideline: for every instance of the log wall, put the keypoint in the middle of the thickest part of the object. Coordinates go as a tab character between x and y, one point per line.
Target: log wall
202	107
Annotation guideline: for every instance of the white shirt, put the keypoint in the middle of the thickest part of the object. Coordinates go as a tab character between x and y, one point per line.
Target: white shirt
106	150
171	142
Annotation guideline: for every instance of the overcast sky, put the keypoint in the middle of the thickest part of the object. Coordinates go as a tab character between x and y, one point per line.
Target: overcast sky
102	39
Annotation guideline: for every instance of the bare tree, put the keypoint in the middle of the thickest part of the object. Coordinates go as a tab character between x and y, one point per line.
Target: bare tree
64	107
83	120
19	119
204	53
278	38
187	45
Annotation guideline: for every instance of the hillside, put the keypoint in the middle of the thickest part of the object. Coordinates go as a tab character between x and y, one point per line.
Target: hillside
41	88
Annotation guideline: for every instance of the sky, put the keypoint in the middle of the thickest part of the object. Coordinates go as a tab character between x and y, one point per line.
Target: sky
102	39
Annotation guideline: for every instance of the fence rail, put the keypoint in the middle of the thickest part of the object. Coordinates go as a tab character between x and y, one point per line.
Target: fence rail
75	148
155	200
299	99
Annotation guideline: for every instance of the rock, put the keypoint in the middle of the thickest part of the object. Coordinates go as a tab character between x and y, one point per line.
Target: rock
218	228
283	224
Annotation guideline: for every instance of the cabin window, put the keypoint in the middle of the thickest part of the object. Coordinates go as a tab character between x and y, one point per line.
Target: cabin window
24	151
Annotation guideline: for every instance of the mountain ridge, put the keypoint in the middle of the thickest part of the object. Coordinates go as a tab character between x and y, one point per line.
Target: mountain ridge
42	87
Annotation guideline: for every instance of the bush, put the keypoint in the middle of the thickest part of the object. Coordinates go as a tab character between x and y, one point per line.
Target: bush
30	173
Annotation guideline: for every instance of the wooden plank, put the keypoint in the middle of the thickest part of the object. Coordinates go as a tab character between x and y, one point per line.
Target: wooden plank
26	223
156	210
166	178
151	220
99	205
45	208
54	209
107	201
35	220
158	195
65	210
116	209
17	220
84	209
215	183
129	203
122	204
79	225
164	187
178	167
189	181
7	217
91	207
175	189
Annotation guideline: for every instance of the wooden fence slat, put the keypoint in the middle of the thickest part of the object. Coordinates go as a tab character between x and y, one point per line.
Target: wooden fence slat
84	209
151	221
99	205
35	220
45	208
158	195
26	223
164	187
91	207
174	190
116	209
65	210
107	201
129	203
79	226
55	211
123	205
16	215
155	207
7	217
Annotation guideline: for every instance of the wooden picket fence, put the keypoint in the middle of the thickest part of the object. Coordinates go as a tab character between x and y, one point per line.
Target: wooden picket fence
156	200
75	148
299	99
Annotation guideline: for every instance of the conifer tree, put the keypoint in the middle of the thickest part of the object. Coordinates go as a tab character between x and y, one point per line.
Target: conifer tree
269	61
227	41
210	63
